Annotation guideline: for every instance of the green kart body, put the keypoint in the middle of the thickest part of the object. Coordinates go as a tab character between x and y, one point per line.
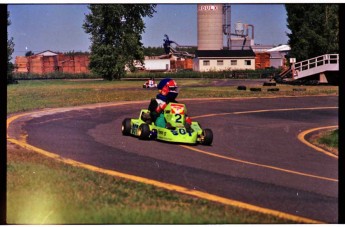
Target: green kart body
175	116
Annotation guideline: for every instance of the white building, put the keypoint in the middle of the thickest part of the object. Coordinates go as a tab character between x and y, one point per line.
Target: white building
261	48
278	54
220	60
157	64
152	64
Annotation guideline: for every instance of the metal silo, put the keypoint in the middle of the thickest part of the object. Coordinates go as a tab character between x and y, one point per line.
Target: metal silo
210	26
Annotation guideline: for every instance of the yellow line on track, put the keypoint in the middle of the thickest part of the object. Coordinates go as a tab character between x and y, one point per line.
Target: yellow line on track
263	111
170	187
167	186
302	135
257	164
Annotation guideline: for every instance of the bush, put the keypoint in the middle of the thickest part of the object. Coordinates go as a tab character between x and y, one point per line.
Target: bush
54	75
330	138
238	74
10	79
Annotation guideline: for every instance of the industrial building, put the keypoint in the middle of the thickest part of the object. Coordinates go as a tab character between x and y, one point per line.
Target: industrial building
156	64
214	21
221	60
277	55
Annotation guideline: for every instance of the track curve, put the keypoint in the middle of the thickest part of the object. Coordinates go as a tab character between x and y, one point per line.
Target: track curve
255	158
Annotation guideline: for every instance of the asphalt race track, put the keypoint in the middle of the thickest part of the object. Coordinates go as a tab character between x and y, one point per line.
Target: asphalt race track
256	157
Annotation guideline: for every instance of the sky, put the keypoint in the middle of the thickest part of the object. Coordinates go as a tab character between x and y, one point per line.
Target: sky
59	27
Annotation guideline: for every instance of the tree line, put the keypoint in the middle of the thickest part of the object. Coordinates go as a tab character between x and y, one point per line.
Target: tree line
148	51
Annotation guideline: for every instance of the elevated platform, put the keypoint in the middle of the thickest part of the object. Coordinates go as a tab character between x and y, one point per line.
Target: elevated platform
317	66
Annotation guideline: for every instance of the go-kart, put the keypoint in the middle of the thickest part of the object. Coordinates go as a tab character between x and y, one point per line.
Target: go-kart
177	132
150	84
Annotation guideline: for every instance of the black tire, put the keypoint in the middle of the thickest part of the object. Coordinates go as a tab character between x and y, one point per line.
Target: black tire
126	127
144	132
241	88
207	137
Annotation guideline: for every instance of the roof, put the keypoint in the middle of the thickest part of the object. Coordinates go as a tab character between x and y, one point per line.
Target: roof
280	48
47	53
261	48
224	53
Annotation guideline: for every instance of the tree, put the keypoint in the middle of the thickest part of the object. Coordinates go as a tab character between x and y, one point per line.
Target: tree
10	49
153	51
29	53
116	37
314	29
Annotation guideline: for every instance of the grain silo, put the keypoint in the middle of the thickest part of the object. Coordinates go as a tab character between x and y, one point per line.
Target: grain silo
210	26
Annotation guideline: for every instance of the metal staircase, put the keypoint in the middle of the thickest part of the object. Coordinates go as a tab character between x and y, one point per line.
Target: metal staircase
316	66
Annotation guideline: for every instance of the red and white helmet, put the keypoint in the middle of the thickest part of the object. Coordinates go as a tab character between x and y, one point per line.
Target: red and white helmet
167	87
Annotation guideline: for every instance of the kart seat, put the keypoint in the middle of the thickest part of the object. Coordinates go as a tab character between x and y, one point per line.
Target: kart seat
146	117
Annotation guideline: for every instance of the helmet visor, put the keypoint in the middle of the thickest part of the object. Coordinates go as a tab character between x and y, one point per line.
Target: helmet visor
173	89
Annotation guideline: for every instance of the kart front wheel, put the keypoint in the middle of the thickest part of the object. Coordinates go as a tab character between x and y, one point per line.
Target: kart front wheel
126	127
207	137
144	132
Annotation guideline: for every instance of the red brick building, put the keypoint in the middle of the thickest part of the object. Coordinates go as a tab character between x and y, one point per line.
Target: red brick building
49	61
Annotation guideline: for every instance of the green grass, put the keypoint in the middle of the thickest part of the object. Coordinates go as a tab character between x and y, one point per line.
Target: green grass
30	95
43	191
330	139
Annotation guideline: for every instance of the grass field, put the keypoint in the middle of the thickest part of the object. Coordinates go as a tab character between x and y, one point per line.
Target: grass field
43	191
29	95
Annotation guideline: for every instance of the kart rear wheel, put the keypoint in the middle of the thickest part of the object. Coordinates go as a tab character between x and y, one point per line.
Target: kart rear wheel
207	137
144	132
126	127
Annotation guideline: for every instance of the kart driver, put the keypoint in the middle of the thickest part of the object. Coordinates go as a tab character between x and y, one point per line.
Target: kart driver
168	91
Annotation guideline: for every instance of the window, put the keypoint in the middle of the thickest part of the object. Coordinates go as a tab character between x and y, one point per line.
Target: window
206	62
220	62
247	62
233	62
